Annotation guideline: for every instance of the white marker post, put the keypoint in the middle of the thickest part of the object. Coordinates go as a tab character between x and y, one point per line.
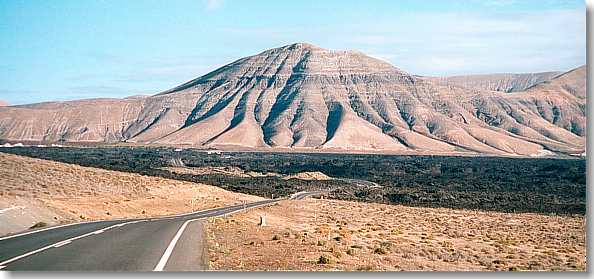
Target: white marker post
262	220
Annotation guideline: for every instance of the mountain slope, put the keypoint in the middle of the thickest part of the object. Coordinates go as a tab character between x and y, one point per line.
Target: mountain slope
499	82
303	96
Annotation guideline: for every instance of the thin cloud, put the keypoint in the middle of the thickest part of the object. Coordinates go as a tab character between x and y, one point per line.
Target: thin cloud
212	5
498	3
459	43
156	74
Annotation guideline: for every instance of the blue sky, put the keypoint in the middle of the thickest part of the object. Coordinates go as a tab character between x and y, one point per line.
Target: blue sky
63	50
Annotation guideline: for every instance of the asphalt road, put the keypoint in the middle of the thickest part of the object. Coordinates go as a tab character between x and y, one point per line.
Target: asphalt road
173	243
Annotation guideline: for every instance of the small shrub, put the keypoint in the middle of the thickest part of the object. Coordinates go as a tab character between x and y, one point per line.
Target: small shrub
350	252
380	250
38	225
276	237
365	268
325	260
386	245
498	262
321	242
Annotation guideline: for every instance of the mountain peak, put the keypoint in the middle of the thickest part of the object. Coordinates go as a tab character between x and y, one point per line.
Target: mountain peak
301	45
297	58
304	96
310	47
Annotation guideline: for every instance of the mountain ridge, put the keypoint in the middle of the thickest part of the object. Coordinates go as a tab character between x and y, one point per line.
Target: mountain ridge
503	82
304	96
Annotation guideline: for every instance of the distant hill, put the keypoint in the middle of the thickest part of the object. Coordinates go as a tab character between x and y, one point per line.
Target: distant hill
305	97
499	82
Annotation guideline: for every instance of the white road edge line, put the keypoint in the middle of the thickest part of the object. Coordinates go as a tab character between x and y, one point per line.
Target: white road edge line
72	224
90	222
12	207
163	261
46	229
59	243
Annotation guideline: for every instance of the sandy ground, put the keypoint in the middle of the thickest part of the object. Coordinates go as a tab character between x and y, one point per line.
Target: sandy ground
35	190
299	235
355	236
238	172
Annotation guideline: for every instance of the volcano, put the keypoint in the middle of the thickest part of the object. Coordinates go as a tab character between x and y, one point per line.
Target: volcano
304	97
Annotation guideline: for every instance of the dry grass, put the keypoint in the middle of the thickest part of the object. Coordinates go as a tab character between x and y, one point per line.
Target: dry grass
91	193
340	235
238	172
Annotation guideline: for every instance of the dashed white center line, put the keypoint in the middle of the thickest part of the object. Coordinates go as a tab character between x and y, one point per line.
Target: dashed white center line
60	244
165	257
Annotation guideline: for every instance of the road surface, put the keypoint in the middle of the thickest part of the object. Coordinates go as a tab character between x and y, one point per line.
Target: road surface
173	243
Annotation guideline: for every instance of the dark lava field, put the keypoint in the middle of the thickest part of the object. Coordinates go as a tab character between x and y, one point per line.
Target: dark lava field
541	185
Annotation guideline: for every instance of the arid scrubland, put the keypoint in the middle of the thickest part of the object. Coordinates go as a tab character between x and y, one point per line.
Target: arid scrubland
352	236
32	187
311	234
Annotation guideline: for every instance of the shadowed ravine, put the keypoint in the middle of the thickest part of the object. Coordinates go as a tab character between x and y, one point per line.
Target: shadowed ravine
304	96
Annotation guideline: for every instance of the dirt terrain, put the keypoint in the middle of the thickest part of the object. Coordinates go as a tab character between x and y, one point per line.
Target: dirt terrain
238	172
39	191
352	236
299	235
543	185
